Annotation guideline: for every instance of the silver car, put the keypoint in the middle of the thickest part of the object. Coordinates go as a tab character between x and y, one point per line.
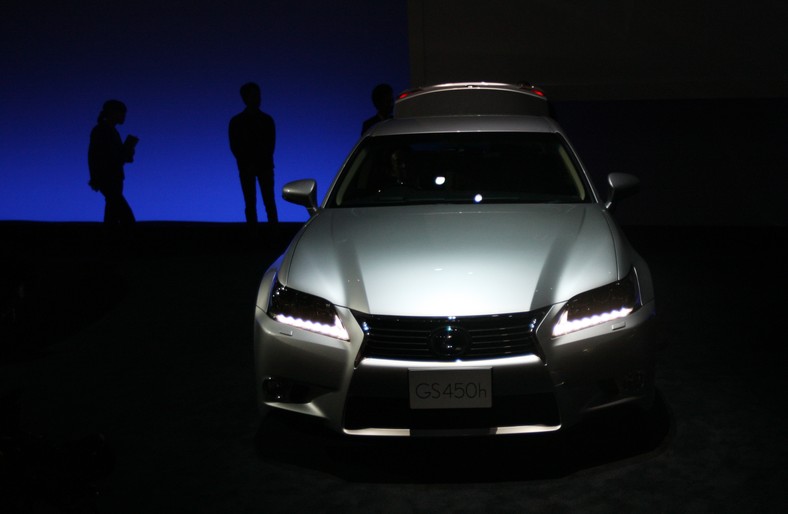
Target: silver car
462	276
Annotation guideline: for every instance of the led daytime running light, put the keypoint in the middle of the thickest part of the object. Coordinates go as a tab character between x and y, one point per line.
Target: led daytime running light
337	330
564	326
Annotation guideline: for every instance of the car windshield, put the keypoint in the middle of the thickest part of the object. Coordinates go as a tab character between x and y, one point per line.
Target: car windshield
465	168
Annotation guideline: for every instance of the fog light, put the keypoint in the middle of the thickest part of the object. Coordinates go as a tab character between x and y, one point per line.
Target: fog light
282	390
277	390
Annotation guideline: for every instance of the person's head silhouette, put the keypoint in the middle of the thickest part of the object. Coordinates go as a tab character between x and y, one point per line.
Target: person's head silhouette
383	99
113	112
250	93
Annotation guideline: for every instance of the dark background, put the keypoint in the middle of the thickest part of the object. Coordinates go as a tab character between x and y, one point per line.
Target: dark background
178	66
688	95
614	50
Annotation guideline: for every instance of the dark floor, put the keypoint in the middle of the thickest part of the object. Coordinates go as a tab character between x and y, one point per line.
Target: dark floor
150	345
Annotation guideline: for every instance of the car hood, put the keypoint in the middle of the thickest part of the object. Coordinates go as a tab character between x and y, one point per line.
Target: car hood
439	260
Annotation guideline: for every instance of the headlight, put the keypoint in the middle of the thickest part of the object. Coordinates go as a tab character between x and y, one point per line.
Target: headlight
305	311
606	303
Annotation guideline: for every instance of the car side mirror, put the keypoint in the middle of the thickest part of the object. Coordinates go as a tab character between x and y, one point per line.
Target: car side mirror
622	185
302	192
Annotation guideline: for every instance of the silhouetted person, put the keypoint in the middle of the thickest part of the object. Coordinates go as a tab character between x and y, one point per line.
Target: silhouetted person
106	156
383	100
252	141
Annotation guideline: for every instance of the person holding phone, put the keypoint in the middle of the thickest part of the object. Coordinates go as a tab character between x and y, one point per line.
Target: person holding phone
107	154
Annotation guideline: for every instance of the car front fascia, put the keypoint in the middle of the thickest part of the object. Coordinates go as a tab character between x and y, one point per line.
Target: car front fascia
584	371
587	370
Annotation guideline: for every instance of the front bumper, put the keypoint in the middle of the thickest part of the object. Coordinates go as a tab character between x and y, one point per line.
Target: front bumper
553	387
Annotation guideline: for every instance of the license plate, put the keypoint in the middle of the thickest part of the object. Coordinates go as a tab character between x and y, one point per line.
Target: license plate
450	388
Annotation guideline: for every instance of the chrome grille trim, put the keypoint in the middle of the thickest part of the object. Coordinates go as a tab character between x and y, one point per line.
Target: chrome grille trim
408	338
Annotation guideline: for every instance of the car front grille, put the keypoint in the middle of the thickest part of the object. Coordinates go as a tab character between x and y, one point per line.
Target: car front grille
421	339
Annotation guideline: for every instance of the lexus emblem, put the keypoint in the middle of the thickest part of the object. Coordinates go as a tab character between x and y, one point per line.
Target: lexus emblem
449	341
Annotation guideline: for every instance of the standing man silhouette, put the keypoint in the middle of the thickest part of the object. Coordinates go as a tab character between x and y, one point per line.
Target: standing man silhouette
252	141
106	156
383	100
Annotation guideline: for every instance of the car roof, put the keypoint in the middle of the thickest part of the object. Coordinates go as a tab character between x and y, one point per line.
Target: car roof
476	98
476	123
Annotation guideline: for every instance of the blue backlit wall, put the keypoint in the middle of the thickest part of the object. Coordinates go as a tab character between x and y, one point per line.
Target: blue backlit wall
178	66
